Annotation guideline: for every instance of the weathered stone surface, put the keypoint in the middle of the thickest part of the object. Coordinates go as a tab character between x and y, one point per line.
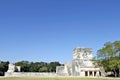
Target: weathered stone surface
82	53
29	74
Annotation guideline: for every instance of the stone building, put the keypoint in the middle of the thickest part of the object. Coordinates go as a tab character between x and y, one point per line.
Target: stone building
81	65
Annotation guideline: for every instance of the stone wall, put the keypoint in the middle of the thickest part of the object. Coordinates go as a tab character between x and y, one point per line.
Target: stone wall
29	74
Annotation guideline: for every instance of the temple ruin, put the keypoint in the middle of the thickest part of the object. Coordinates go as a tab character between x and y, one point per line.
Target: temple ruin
81	65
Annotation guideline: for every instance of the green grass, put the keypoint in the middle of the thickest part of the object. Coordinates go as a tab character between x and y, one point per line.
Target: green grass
30	78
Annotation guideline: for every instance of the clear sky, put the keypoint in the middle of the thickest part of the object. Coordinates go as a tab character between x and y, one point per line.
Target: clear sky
49	30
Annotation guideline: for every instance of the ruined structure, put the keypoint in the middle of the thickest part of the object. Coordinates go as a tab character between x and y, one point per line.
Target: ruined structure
13	68
81	65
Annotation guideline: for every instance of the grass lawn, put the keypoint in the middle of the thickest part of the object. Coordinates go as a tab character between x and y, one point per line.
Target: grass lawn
58	78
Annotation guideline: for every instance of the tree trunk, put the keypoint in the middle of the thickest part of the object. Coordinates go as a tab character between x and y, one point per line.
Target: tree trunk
119	72
115	73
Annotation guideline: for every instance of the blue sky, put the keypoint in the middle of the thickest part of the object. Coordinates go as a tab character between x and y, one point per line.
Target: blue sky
49	30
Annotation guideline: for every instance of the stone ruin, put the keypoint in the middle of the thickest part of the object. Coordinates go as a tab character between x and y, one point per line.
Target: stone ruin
14	71
81	65
13	68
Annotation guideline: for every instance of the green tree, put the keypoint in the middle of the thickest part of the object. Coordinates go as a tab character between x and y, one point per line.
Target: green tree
3	67
117	47
52	66
109	57
37	66
25	65
43	69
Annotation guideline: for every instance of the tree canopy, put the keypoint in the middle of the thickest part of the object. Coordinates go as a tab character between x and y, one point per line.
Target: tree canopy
109	57
3	67
37	66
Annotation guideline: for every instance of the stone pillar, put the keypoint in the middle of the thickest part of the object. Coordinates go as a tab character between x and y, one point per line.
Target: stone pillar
88	73
93	73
